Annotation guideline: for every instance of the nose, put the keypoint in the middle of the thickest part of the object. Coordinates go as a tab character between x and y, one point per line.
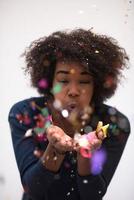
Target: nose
73	90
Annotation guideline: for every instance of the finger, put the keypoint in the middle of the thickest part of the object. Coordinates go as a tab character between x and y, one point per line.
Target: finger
55	137
64	145
55	132
54	140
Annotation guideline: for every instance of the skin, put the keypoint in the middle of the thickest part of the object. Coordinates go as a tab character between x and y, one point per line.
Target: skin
76	94
77	84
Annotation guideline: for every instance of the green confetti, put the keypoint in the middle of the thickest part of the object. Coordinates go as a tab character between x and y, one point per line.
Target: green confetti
57	88
45	112
47	124
38	130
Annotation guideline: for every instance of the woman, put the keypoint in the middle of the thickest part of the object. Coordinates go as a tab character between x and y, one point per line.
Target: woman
61	148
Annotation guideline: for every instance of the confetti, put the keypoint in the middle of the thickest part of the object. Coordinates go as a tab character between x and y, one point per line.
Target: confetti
47	124
23	118
96	51
100	124
72	71
122	123
68	193
85	181
38	130
113	128
109	82
83	91
103	128
38	153
83	141
28	133
57	88
112	111
87	140
33	105
67	165
85	152
45	112
97	161
88	129
55	158
43	83
41	137
19	118
113	118
57	104
65	113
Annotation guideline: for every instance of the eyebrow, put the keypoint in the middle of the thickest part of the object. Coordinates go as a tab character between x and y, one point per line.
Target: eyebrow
62	71
68	72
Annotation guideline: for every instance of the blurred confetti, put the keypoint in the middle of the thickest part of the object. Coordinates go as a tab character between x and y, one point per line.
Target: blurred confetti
65	113
43	83
57	88
97	161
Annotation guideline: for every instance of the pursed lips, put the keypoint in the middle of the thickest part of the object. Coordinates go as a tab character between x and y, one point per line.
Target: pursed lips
73	106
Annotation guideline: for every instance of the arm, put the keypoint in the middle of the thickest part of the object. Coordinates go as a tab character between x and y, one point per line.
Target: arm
51	159
37	174
35	177
95	186
90	186
59	144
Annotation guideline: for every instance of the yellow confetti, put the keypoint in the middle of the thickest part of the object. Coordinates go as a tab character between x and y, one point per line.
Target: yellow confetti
103	128
100	124
72	71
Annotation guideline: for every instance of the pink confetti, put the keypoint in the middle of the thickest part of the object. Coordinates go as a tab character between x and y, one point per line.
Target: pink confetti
85	152
41	137
43	83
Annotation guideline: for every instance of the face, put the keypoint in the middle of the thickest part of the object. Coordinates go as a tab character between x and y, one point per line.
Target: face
76	86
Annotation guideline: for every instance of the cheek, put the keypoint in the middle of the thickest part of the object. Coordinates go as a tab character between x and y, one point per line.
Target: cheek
88	92
85	101
59	96
87	95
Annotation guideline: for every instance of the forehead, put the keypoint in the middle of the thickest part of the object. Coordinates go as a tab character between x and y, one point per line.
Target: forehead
67	66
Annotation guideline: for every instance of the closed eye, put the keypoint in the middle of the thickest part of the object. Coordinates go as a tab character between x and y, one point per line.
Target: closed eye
63	81
85	82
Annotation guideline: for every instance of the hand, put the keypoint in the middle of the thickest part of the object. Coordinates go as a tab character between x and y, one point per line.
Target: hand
62	142
95	140
59	139
90	140
87	143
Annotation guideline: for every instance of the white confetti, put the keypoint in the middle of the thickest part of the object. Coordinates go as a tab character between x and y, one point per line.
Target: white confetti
64	113
28	133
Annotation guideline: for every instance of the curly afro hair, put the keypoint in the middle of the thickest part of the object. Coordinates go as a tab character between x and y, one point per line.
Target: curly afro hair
102	54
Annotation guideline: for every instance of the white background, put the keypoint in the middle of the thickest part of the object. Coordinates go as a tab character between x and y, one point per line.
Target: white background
22	21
